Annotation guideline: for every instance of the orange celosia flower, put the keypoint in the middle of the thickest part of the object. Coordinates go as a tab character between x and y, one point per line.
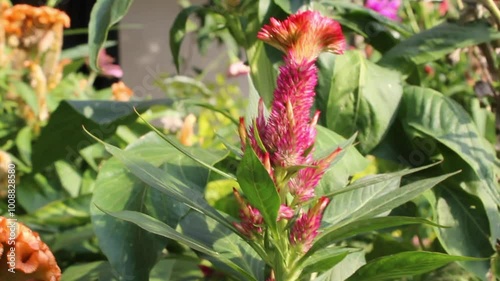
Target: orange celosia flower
33	259
121	92
304	35
29	25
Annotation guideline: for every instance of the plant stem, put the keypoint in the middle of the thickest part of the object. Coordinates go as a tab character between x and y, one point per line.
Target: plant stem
411	17
492	7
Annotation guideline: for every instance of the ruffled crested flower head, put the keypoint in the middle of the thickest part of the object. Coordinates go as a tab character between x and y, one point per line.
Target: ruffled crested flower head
304	35
33	259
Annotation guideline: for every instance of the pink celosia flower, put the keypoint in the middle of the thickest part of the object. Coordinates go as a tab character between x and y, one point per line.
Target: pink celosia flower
105	63
306	227
251	219
285	212
306	180
387	8
304	35
237	69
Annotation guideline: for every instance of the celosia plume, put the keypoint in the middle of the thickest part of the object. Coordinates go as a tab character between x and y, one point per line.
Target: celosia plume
33	259
284	142
306	227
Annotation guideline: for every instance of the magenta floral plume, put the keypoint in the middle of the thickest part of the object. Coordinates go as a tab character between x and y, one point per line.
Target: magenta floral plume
284	141
306	227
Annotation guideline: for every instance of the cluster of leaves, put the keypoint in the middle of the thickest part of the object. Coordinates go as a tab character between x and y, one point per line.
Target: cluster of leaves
385	98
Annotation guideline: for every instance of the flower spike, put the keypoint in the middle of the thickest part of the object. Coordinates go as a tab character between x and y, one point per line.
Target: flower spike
304	35
306	227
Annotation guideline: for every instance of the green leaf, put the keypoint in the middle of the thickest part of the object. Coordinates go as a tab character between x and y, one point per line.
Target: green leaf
258	187
166	183
262	71
104	15
244	262
363	97
345	268
435	43
69	176
338	175
62	213
155	226
23	143
403	265
469	233
428	113
330	235
396	198
99	117
290	6
135	195
344	205
376	179
324	259
99	270
178	32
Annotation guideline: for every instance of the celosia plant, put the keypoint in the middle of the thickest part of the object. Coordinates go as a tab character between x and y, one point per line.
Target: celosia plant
285	141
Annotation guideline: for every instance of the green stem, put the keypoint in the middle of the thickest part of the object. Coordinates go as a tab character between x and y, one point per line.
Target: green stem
411	17
492	7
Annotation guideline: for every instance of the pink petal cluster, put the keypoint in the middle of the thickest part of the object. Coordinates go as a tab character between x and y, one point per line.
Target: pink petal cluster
105	63
387	8
306	227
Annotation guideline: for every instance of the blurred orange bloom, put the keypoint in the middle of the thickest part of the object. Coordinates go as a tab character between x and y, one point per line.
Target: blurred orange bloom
33	259
121	92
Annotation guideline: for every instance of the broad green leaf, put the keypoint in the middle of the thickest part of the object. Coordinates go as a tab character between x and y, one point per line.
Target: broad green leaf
403	265
435	43
325	259
427	112
64	129
99	270
228	245
178	32
23	143
258	187
332	234
468	234
179	190
377	179
363	97
62	213
338	175
104	15
74	239
155	226
342	206
396	198
135	195
345	268
38	190
69	176
262	71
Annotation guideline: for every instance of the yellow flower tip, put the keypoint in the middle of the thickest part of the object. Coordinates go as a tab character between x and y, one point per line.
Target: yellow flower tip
304	35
